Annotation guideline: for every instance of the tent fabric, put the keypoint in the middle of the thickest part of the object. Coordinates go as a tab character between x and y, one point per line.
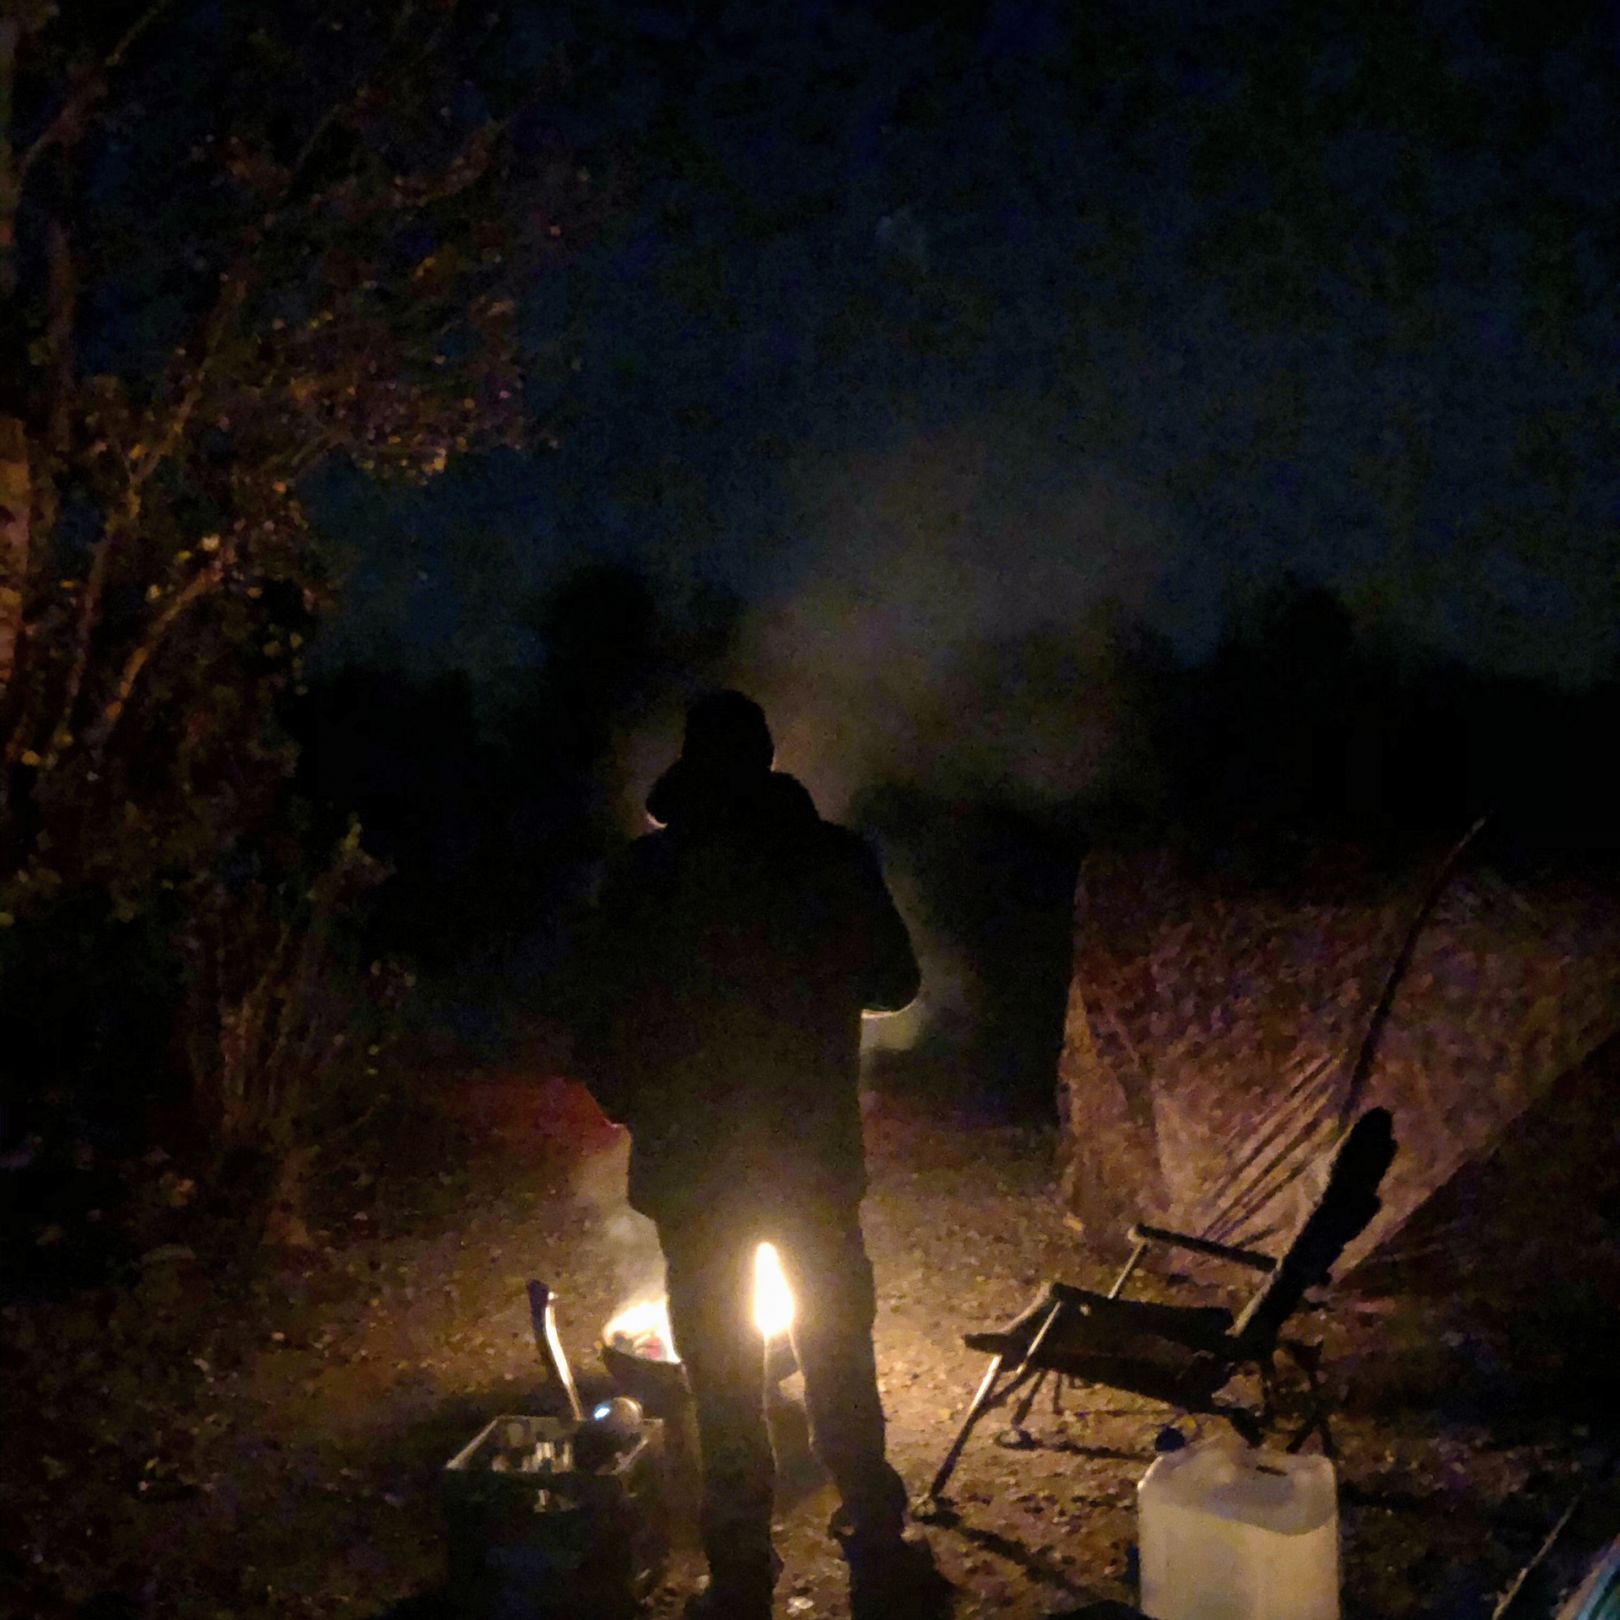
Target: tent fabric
1218	1007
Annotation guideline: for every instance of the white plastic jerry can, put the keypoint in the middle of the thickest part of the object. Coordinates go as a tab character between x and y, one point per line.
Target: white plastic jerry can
1229	1533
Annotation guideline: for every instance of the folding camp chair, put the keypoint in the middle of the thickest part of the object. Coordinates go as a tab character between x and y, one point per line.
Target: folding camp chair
1186	1355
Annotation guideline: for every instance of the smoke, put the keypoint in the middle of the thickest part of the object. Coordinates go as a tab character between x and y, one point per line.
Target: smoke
947	618
954	628
631	1240
950	632
954	638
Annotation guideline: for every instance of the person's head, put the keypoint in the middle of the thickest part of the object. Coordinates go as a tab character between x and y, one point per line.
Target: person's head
725	761
727	739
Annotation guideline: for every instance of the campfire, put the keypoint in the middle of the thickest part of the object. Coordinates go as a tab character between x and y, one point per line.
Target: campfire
642	1329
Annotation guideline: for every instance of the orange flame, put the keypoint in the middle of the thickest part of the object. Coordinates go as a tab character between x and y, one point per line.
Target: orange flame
642	1328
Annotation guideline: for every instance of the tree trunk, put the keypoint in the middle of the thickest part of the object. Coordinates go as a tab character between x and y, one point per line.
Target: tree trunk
14	537
286	1224
10	38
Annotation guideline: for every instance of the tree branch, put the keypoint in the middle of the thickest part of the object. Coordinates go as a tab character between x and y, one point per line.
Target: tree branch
220	317
129	517
62	301
91	88
198	586
16	500
10	188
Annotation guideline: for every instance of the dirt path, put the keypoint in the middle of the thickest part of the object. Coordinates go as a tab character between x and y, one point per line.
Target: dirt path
186	1449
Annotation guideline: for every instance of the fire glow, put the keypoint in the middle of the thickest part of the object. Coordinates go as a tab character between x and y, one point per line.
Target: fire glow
643	1329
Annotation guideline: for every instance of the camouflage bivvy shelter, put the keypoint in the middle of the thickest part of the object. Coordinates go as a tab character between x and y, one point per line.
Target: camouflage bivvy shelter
1217	1041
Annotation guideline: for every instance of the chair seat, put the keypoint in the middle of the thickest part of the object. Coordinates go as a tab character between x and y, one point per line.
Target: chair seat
1160	1371
1187	1355
1094	1323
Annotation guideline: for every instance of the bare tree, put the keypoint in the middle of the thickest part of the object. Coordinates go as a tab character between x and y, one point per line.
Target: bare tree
232	248
237	244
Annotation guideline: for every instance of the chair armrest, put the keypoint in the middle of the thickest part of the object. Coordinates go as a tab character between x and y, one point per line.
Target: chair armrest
1252	1258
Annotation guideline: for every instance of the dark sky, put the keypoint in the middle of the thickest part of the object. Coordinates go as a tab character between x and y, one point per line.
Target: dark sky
927	329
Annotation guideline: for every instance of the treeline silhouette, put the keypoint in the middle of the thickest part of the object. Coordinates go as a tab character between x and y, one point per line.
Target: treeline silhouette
1298	729
1299	726
493	808
1299	721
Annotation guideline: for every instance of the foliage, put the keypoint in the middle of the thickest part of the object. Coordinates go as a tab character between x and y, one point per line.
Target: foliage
283	1045
232	246
493	801
235	244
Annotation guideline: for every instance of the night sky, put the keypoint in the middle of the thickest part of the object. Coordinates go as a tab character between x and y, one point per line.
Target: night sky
930	332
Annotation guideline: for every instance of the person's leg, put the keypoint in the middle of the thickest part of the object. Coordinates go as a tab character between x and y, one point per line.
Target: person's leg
835	1305
710	1279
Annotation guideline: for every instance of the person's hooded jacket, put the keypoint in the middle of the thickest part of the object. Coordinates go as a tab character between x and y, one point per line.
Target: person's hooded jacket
731	956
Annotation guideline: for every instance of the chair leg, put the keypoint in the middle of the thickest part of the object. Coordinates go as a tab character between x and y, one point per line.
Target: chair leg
1021	1439
1129	1271
988	1396
1243	1421
1268	1393
1317	1423
1031	1358
1308	1358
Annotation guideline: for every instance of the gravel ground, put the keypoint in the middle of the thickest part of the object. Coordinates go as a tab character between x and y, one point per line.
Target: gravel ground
187	1445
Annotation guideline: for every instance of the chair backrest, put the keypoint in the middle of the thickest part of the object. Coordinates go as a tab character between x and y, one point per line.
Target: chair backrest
1341	1214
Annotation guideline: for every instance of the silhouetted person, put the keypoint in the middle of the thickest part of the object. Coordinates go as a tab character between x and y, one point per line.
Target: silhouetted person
733	954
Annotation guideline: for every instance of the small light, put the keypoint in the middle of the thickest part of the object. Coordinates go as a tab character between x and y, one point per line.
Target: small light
773	1300
601	1411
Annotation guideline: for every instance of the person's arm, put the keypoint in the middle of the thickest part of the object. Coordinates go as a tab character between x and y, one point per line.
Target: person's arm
890	977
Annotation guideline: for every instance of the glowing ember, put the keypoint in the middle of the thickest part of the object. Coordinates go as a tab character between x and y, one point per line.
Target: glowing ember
643	1330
